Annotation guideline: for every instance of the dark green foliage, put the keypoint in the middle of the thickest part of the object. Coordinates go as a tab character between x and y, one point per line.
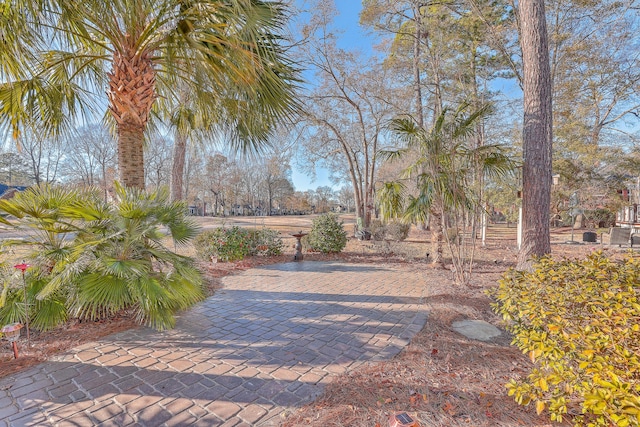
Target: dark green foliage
579	322
225	244
91	259
266	241
235	243
600	218
327	234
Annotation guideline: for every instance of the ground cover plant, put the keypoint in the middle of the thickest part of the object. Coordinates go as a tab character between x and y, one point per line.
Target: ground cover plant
579	322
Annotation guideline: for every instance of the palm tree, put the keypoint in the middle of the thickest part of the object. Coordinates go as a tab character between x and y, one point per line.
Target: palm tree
443	165
226	54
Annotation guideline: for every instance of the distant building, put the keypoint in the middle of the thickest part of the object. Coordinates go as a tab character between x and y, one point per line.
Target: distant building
8	191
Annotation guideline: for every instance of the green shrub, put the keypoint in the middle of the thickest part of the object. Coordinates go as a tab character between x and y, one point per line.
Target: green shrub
266	241
227	244
397	231
600	218
235	243
327	234
579	322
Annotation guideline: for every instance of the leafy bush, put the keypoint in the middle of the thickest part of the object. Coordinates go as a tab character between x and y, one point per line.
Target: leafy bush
600	218
327	234
397	231
227	244
266	241
91	259
235	243
377	229
579	322
393	230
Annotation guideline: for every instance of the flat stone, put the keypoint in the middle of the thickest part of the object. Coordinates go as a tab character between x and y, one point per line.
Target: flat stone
476	329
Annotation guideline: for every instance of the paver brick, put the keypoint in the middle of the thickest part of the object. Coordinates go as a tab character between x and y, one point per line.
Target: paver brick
179	405
270	340
30	389
68	411
141	403
223	410
77	420
285	374
252	414
208	421
7	411
153	416
105	413
181	419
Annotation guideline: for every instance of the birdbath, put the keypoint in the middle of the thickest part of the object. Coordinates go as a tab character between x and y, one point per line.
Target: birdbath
298	255
11	333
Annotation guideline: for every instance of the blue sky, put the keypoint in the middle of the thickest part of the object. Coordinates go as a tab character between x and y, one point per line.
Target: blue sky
353	36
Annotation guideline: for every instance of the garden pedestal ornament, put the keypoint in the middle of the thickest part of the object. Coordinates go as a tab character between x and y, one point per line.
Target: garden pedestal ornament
12	332
298	255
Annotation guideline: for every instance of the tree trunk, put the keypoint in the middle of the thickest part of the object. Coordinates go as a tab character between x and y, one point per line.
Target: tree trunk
131	95
437	237
177	169
537	133
417	84
131	156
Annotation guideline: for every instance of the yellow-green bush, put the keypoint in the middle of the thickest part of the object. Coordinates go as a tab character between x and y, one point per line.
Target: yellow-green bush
579	322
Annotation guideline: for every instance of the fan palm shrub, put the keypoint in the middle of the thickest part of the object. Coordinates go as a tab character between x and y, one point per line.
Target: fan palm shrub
91	259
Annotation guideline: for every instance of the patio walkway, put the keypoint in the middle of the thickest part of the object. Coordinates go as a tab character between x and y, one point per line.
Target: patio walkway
257	349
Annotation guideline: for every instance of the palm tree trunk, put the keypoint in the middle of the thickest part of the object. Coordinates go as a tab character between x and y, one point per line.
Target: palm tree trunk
177	170
131	95
131	156
437	237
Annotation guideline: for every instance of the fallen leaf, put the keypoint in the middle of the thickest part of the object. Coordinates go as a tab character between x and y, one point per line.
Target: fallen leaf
449	408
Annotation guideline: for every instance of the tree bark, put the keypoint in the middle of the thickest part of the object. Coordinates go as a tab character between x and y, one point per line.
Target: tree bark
131	95
437	237
131	156
177	169
537	133
417	84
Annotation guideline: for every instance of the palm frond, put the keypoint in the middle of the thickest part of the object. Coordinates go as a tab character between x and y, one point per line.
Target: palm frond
391	199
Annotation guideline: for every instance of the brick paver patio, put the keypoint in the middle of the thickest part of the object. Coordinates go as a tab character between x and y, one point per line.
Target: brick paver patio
260	347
